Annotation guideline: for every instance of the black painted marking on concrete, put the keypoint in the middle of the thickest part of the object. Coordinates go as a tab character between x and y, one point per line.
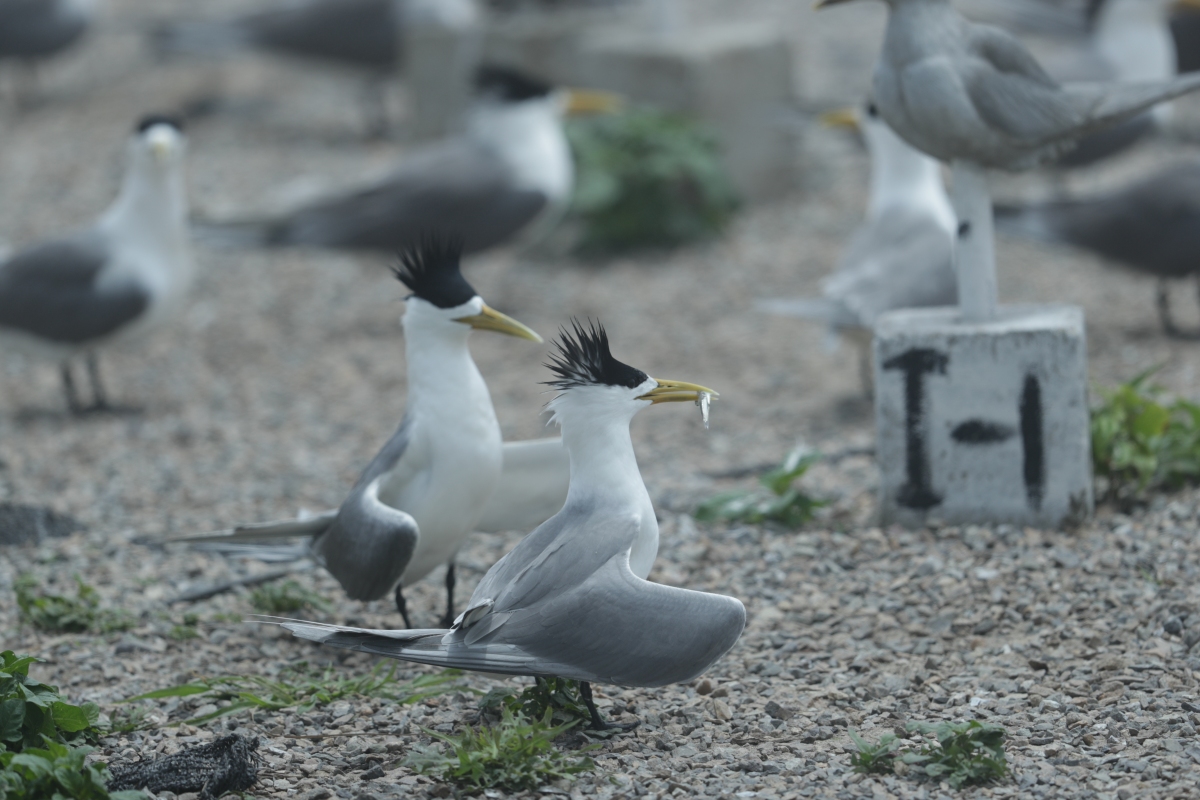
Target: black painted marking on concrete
979	431
1034	441
917	491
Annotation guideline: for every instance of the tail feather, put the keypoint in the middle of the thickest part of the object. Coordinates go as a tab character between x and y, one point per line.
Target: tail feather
1106	104
200	38
266	553
435	647
265	531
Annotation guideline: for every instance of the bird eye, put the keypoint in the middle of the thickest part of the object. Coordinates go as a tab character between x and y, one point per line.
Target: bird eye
872	111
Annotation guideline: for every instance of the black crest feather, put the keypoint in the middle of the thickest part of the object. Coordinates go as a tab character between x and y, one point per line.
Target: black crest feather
431	270
509	84
584	359
150	120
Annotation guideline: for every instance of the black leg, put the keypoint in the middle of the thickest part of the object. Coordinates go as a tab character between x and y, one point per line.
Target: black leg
448	620
99	396
68	381
585	691
401	605
1163	301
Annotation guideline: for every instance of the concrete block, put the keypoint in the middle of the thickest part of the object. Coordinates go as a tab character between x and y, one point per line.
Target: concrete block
983	422
736	78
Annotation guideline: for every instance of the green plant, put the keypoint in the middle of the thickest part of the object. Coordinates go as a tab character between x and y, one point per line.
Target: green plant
782	502
59	614
181	633
1140	443
33	712
304	688
965	754
127	719
513	755
647	179
559	696
56	772
874	759
286	597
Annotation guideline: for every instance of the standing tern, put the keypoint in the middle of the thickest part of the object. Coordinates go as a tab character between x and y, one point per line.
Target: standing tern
902	256
121	278
1152	226
571	599
433	481
511	171
971	95
366	35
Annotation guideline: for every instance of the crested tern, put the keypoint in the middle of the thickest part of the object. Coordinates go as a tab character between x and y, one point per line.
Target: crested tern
32	30
1151	226
901	256
509	173
432	482
366	35
972	95
571	599
120	278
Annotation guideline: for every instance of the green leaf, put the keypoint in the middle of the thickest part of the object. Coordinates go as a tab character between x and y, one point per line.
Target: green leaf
12	718
71	719
184	690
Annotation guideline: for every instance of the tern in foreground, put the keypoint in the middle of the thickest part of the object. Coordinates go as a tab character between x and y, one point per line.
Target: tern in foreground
120	278
510	172
434	479
571	599
971	95
902	256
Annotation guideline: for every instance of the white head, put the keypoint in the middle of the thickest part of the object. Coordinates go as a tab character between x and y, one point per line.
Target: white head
596	391
156	155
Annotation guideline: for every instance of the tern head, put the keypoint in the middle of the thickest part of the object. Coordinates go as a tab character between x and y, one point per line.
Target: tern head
506	86
442	299
158	142
590	379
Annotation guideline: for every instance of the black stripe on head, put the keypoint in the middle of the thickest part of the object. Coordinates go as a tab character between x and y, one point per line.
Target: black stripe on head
511	85
150	120
431	270
583	359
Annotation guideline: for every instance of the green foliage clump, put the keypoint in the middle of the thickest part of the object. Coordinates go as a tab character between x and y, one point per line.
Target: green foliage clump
964	754
874	759
304	688
514	755
56	772
782	502
33	712
60	614
286	597
647	179
558	696
1140	442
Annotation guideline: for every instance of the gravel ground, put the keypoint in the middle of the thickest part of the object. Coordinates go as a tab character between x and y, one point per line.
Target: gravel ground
287	372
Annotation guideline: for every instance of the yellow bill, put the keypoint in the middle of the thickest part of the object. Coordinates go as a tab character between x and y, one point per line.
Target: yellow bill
590	101
677	392
840	118
492	320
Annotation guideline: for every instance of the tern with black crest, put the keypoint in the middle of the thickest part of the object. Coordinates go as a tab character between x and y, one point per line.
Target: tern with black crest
571	599
120	278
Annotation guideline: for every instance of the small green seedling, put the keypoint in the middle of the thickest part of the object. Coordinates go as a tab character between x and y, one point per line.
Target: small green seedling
56	772
782	502
965	754
514	755
875	759
32	713
559	696
286	597
304	688
59	614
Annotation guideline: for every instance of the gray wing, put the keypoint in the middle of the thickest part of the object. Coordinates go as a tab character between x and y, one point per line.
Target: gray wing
51	291
899	260
533	486
370	543
361	32
456	185
572	612
1153	226
37	28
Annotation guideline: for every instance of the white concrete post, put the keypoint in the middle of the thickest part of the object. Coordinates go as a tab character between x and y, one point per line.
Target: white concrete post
975	250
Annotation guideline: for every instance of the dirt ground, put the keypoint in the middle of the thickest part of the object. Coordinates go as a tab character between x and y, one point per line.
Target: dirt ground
286	373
